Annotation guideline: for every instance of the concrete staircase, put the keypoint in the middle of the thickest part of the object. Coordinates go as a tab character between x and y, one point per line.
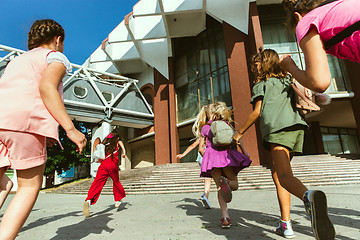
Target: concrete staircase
179	178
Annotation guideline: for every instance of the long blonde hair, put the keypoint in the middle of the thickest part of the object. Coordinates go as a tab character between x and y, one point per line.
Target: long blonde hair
222	112
202	118
218	110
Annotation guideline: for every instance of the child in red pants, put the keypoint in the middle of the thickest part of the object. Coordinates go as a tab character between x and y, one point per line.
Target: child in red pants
107	168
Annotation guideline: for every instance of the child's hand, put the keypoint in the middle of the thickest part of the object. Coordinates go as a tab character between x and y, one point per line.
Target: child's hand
286	62
123	155
78	138
179	156
237	137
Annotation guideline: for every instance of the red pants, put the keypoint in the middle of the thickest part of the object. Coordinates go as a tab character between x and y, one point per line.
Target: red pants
107	168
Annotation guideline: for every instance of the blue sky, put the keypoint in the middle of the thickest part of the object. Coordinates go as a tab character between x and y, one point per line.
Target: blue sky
86	22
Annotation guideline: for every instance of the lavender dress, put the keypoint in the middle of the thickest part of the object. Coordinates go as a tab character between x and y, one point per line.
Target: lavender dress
215	157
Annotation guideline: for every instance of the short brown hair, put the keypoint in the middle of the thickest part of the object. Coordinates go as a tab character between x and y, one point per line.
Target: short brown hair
43	31
265	64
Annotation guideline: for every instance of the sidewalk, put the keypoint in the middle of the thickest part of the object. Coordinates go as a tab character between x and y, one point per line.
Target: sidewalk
254	214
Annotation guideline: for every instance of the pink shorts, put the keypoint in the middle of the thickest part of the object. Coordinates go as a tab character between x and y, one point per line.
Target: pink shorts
21	150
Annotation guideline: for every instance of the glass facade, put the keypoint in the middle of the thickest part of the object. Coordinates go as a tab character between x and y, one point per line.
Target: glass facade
276	36
201	71
340	140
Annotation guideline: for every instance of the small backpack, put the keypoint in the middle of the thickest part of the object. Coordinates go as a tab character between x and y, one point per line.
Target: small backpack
99	153
304	99
222	133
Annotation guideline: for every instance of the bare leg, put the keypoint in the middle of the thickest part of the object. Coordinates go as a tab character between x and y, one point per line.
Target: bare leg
216	173
29	184
6	186
233	180
207	186
283	196
281	159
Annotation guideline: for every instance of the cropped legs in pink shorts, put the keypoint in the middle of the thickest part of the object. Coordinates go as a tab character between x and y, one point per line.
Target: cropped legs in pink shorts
21	150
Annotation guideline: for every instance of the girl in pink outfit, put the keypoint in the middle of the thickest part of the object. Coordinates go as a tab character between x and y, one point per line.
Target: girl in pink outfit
221	163
316	22
31	109
109	167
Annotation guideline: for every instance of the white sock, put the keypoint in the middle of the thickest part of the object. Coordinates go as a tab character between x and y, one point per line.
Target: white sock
285	221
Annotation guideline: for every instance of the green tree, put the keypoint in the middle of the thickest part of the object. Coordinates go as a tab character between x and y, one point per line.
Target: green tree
60	160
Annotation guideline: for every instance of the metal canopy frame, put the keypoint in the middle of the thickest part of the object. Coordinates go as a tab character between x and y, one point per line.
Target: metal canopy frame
92	76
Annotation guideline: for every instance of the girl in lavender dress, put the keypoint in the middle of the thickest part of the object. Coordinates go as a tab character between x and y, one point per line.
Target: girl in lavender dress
220	163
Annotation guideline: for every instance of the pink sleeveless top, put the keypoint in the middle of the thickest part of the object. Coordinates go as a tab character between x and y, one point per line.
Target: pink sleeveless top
331	19
21	107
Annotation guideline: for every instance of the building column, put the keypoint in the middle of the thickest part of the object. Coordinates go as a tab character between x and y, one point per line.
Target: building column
353	70
174	133
236	46
316	133
161	119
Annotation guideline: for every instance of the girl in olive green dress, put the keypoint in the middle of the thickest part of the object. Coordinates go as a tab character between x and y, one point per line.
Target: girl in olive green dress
282	129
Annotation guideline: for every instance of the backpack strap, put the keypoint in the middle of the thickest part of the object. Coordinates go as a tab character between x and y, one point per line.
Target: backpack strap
111	154
345	33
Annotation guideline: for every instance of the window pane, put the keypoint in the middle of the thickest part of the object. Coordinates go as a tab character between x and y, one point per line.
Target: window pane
350	144
337	79
324	130
191	65
221	86
205	91
277	37
204	64
217	56
108	96
343	131
352	131
80	91
333	130
332	144
187	101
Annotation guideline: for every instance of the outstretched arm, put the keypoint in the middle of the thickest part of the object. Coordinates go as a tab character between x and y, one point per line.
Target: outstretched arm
317	74
49	83
249	122
189	149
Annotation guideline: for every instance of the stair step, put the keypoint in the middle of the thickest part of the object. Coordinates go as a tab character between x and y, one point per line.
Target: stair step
312	170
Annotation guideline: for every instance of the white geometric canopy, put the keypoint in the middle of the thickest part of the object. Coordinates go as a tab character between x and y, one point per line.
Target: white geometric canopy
144	36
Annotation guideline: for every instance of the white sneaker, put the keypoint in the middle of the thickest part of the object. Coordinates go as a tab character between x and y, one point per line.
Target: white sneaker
285	229
86	209
316	206
117	204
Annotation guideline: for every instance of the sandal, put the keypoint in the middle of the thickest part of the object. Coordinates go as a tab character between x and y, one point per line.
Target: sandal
225	189
225	222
